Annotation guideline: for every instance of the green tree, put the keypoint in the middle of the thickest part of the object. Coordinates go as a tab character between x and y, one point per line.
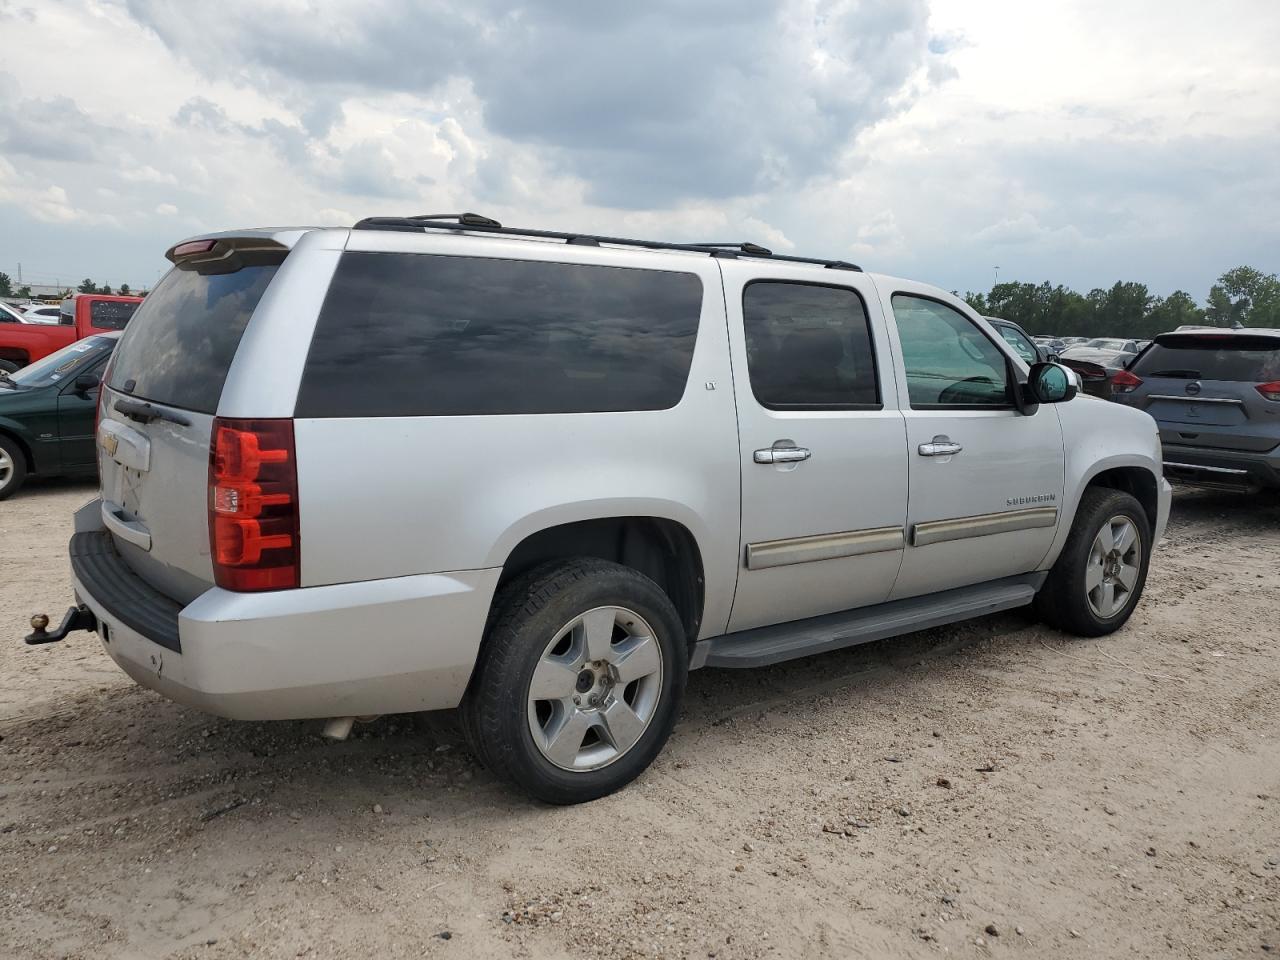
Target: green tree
1172	312
6	285
1258	292
105	289
24	291
87	286
124	290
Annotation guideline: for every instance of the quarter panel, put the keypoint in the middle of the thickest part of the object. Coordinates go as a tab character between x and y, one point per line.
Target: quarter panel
398	496
264	376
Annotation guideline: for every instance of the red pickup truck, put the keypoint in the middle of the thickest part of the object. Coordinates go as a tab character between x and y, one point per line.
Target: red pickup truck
82	316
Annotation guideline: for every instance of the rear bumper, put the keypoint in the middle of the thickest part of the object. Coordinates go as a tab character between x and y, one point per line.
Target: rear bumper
1216	467
382	646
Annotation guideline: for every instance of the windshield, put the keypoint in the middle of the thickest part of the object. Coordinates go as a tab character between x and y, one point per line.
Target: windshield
68	362
1105	344
9	315
1245	359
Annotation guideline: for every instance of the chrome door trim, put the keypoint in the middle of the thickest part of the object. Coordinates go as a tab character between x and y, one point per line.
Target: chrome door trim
823	546
982	525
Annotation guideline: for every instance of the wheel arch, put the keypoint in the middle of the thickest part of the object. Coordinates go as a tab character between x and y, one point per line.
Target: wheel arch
10	432
661	548
1131	473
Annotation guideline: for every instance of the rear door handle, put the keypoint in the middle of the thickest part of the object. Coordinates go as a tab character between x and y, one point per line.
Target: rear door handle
775	454
940	446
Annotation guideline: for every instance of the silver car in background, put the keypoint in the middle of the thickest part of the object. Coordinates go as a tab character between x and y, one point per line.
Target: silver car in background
1216	397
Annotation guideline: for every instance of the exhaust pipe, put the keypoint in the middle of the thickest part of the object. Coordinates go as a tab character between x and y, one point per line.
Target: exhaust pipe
338	728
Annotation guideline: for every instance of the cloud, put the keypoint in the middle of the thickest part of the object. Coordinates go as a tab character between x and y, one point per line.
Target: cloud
645	104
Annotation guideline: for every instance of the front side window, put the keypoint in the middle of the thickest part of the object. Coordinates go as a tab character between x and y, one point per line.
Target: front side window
406	334
808	347
948	360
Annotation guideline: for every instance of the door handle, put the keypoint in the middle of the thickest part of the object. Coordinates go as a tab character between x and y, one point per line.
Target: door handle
131	531
940	446
783	454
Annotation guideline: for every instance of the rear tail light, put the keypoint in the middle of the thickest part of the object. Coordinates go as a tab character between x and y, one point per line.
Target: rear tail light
253	505
1269	390
1125	382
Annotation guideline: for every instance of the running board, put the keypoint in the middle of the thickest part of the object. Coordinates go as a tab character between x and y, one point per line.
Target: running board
802	638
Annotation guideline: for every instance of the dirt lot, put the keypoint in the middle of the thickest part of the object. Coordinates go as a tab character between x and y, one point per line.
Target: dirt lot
993	788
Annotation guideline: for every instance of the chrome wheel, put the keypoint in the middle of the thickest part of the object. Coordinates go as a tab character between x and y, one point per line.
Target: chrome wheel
1115	560
6	468
595	689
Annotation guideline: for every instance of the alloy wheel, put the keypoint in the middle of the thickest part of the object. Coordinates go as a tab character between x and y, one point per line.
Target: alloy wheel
1115	561
595	689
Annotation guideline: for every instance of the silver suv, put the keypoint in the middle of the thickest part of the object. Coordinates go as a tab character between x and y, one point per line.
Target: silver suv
429	463
1216	396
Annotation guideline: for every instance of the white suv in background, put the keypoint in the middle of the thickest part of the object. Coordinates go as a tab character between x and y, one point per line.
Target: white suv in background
428	463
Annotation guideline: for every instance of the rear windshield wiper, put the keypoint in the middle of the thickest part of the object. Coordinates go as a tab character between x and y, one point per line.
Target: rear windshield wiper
1182	374
145	413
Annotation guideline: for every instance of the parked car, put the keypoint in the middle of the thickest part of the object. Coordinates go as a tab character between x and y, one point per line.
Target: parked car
1016	337
42	313
1215	395
1098	360
9	315
47	414
82	315
1051	345
427	463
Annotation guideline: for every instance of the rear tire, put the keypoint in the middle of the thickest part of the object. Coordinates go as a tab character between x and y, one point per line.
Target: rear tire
1098	578
13	467
604	646
8	366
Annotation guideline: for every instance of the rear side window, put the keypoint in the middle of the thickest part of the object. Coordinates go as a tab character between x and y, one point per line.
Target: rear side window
179	345
1224	357
808	347
404	335
110	314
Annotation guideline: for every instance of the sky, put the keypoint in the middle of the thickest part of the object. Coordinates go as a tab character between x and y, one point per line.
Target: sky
1076	141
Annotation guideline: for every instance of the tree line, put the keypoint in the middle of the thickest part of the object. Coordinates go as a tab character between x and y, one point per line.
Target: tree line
1242	295
7	289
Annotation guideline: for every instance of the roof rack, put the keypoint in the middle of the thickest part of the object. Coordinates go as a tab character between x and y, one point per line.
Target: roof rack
475	223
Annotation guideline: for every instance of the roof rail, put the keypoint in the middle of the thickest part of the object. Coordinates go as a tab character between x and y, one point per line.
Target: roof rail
475	223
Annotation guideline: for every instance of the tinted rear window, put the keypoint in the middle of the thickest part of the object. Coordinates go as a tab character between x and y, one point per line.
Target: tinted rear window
421	335
110	314
179	345
1225	357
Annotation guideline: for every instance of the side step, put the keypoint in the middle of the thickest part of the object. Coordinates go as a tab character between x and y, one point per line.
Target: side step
802	638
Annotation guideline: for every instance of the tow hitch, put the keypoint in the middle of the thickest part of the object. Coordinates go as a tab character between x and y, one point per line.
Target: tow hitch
77	618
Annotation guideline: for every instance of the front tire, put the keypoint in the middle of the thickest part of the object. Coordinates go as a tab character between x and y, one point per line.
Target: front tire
579	682
13	468
1098	578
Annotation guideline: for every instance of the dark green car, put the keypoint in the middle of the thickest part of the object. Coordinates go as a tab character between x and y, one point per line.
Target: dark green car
47	413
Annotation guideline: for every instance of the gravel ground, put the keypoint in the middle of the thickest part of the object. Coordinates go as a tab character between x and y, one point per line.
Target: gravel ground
985	789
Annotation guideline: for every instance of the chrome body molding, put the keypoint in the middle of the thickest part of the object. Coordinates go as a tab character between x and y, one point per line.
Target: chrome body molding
823	546
940	531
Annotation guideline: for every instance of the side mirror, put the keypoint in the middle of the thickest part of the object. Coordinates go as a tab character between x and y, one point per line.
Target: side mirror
85	383
1050	383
